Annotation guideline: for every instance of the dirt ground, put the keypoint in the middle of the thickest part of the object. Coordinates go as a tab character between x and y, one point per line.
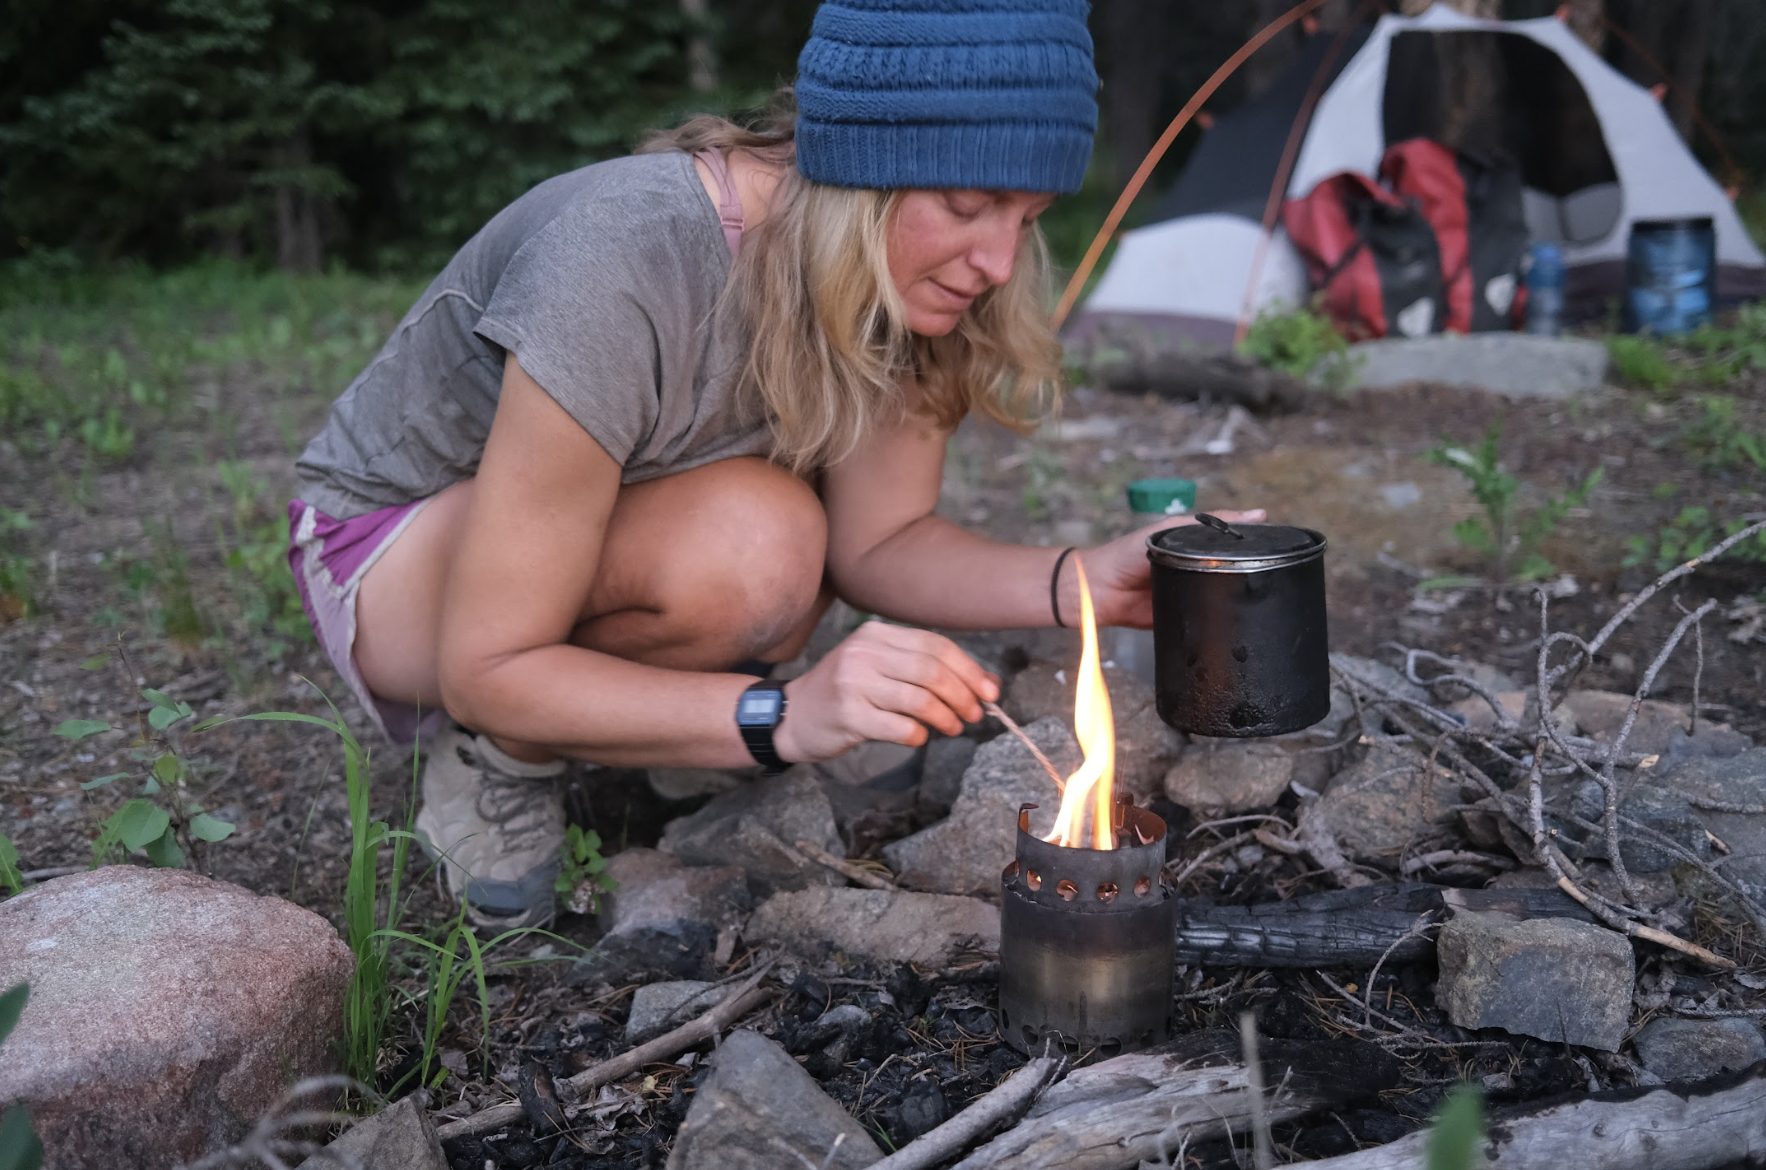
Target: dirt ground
1351	466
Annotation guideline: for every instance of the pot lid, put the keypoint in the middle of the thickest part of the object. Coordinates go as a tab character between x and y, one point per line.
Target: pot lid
1234	546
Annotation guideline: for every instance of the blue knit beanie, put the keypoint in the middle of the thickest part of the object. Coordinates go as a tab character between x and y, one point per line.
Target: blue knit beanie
990	94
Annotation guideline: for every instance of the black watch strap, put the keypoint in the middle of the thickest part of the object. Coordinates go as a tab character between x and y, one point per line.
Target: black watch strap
759	712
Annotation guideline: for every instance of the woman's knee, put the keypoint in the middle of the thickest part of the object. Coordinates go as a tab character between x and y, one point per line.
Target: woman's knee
729	556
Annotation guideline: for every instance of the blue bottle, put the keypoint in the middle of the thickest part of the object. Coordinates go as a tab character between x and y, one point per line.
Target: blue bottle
1545	290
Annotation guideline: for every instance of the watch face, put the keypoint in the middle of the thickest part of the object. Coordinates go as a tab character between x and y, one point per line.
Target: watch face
758	709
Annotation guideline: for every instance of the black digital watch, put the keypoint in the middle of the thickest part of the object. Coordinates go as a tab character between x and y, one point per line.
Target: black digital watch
759	712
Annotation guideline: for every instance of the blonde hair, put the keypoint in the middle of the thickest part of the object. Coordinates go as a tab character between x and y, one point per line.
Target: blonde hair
832	353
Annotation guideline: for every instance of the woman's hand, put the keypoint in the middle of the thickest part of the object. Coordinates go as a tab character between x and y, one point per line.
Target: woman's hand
1121	577
884	682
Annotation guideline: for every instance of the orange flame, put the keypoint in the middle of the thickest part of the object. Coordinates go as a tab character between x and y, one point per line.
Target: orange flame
1093	787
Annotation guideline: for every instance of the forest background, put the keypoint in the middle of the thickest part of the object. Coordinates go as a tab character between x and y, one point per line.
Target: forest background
380	134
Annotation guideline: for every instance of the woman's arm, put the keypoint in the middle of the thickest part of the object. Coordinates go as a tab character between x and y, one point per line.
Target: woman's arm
528	554
889	553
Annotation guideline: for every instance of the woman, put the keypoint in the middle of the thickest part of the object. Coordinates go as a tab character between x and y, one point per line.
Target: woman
651	418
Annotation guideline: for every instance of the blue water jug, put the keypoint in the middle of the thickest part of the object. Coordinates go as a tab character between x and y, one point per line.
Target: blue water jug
1671	269
1545	289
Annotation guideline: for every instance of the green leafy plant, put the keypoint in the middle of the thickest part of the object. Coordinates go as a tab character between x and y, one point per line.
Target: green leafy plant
20	1148
106	436
371	911
1688	535
256	541
17	570
1457	1132
580	880
11	879
1641	361
1299	342
1504	536
1720	440
162	822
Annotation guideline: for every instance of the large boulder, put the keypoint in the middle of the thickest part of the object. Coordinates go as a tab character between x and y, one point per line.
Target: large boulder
1554	979
167	1012
756	826
1601	715
965	852
758	1110
1145	744
1728	796
887	926
662	917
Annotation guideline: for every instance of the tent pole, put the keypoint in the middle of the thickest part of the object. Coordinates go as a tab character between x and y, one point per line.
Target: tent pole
1145	170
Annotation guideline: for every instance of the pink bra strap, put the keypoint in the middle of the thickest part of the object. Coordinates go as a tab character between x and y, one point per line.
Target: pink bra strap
729	205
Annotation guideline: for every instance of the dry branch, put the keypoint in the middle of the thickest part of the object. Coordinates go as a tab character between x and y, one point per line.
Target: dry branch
1141	1106
843	867
1001	1105
1681	1127
739	1003
1011	725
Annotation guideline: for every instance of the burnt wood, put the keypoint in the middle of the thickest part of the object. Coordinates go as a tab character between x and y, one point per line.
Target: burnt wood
1208	377
1346	928
1142	1106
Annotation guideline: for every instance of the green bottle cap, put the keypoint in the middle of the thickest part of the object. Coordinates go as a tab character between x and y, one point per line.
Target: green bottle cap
1162	497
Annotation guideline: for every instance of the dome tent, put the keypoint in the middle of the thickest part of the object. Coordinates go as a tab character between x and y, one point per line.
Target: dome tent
1596	151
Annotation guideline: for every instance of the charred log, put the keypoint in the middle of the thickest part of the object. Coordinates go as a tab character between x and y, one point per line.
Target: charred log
1345	928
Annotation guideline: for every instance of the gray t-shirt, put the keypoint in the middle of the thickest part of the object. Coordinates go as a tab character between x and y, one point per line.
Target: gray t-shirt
604	283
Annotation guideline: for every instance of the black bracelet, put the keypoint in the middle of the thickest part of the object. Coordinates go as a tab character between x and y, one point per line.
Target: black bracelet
1055	586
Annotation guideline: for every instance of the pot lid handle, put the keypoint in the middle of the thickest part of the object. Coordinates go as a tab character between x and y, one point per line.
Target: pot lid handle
1219	525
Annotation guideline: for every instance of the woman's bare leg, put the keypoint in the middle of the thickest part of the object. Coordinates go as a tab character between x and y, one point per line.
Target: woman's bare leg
698	571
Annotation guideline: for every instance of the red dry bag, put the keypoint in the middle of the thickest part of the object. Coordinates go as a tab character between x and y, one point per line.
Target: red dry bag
1371	254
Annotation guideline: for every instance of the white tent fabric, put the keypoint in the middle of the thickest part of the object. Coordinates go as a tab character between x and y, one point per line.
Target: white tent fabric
1195	271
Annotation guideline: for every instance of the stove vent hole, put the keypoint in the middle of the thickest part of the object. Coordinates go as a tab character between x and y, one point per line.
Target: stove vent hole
1107	892
1067	890
1143	887
1110	1047
1033	879
1011	872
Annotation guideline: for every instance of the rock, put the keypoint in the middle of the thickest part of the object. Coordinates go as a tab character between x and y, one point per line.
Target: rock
167	1012
400	1137
1520	365
1476	714
1145	744
686	783
872	780
1217	777
1713	742
1691	1050
1551	978
1365	670
947	758
965	852
1491	679
1600	715
759	1111
922	1108
1737	783
754	826
662	917
1668	813
891	926
1384	803
662	1007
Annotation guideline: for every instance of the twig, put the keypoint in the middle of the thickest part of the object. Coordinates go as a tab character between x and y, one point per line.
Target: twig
1674	574
1454	857
1262	1145
1011	725
1005	1103
1315	835
842	866
266	1143
1418	927
746	998
1209	854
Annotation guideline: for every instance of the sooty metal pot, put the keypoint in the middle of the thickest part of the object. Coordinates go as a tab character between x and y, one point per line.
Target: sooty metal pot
1239	645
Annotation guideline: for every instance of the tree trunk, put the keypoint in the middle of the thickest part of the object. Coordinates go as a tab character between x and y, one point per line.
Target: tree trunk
298	247
1692	48
1132	53
1267	63
1587	19
701	58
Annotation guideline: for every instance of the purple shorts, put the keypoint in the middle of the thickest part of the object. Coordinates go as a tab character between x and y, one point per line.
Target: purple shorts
329	558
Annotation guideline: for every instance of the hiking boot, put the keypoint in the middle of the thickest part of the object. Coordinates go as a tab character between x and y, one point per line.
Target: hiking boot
496	824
